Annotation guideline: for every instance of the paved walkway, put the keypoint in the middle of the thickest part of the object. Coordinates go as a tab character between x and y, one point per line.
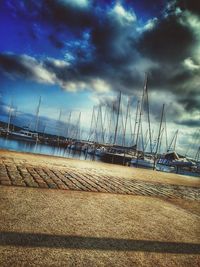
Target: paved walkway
23	173
83	229
107	215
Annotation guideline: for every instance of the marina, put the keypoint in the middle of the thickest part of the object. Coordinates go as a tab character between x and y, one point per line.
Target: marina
97	152
114	136
100	133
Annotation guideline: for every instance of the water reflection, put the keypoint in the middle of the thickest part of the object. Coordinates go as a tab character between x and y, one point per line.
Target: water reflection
24	146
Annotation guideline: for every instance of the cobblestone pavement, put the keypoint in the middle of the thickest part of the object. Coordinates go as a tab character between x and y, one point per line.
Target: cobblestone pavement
22	173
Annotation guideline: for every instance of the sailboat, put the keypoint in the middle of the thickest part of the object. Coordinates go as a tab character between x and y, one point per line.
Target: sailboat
171	161
141	159
116	153
24	134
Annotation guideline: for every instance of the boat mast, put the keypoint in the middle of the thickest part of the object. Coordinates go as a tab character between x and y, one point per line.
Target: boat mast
37	116
173	142
197	156
101	124
44	128
148	112
59	118
118	111
91	124
110	124
140	118
68	124
126	119
159	135
79	127
130	124
9	117
105	123
124	135
136	121
166	136
97	124
146	139
142	137
195	141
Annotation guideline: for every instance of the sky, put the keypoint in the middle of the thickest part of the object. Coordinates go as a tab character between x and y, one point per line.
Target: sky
77	54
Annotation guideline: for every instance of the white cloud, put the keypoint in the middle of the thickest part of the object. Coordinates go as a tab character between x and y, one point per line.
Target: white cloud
189	63
59	63
122	15
42	75
96	84
78	3
100	85
46	72
150	24
73	86
192	21
35	69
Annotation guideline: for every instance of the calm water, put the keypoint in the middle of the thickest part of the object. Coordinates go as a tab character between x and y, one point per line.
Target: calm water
23	146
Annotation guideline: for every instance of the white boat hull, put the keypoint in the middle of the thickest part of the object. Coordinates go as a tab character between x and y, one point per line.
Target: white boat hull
142	162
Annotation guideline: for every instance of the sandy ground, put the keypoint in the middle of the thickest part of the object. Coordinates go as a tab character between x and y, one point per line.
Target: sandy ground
68	228
43	227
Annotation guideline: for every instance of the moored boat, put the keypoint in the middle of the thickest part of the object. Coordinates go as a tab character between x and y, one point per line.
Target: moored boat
173	162
24	135
142	162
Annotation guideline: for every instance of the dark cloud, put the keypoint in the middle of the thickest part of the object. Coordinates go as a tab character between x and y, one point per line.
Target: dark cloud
68	13
190	5
13	64
169	44
190	100
169	41
115	50
190	123
48	70
175	78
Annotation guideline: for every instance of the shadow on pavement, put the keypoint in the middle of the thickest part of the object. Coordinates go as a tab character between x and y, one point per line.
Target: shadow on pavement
91	243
